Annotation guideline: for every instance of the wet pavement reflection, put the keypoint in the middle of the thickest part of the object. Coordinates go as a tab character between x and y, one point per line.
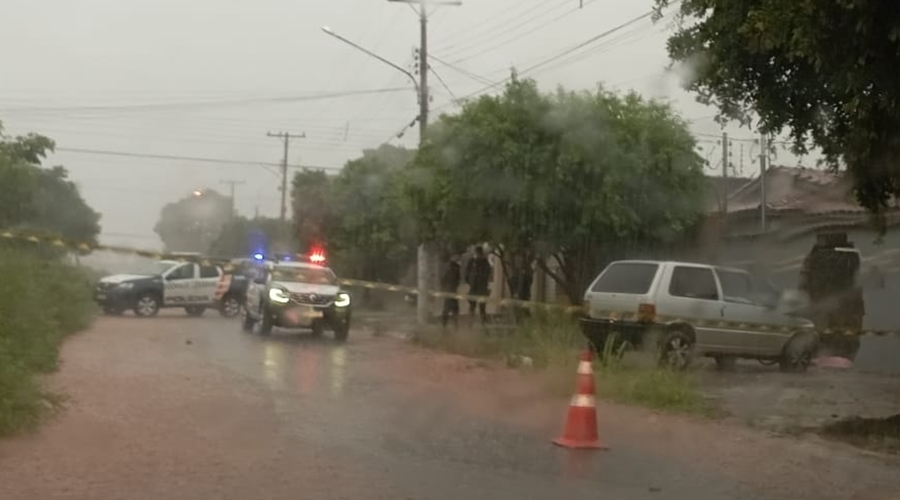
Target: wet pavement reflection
183	408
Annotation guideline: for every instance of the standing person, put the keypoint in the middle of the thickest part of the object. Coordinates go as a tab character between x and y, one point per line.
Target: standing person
450	283
478	275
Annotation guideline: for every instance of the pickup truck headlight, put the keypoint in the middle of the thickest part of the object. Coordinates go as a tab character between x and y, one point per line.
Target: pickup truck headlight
125	286
342	300
278	295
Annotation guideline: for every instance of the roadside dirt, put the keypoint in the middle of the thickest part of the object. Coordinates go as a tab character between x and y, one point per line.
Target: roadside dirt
765	398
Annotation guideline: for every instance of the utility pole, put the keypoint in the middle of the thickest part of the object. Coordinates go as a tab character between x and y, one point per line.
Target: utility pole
725	189
286	137
725	172
763	160
232	183
422	282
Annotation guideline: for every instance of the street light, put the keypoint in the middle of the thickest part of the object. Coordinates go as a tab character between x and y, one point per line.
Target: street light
368	52
197	193
422	302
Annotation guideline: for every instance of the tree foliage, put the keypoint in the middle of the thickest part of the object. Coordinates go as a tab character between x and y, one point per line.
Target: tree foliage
40	199
375	237
824	69
316	210
193	223
241	237
576	177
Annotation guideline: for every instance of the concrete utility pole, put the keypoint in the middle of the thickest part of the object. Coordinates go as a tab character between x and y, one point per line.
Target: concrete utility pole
422	283
231	184
725	177
286	137
763	160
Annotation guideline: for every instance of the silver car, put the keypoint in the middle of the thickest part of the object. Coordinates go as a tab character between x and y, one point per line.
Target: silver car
687	309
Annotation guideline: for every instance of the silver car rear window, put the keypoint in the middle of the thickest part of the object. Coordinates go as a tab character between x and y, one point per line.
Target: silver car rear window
626	277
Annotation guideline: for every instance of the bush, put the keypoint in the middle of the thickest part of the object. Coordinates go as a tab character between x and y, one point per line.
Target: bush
42	300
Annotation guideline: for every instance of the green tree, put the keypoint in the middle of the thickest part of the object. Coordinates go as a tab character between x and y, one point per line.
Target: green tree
37	199
316	211
823	69
375	238
243	237
194	222
577	177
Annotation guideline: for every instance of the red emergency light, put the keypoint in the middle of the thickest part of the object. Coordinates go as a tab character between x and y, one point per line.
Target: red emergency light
317	257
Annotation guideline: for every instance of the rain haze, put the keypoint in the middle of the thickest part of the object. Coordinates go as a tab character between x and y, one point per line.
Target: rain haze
136	93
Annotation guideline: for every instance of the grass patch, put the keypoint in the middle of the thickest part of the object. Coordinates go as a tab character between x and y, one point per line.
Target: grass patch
552	341
42	300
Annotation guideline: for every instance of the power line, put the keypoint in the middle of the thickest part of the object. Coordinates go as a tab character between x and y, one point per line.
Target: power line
202	104
487	20
198	159
589	41
481	50
507	26
443	83
464	71
559	55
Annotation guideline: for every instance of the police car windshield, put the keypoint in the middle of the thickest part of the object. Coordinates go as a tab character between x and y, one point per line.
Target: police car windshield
291	274
154	268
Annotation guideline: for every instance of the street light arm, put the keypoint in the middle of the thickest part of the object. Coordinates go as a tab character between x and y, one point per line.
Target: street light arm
412	78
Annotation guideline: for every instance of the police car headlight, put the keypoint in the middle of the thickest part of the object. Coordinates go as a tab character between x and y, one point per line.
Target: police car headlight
125	286
342	300
278	295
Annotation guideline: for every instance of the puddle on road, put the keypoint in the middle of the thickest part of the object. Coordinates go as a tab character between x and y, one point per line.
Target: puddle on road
881	434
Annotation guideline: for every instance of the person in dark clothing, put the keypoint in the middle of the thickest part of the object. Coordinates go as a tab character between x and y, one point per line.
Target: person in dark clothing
478	275
450	281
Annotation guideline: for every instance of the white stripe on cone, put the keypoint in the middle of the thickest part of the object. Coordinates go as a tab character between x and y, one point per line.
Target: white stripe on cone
583	401
584	368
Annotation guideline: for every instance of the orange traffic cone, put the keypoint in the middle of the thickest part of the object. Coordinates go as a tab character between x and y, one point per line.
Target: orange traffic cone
581	422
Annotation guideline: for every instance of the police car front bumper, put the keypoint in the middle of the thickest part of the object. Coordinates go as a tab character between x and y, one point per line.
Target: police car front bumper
114	297
292	315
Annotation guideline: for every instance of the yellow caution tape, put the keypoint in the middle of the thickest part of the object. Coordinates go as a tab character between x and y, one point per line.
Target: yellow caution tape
611	316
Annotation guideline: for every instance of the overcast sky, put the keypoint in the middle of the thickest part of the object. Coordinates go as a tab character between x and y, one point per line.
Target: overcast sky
209	79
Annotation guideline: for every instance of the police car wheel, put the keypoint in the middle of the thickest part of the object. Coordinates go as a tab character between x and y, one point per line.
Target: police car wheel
230	307
146	305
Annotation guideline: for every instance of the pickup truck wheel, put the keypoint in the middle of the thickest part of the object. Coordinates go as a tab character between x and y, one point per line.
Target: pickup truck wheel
341	332
146	305
195	311
248	323
265	324
676	351
230	306
798	353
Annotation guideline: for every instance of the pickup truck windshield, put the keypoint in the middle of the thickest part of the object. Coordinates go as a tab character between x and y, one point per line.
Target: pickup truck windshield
304	275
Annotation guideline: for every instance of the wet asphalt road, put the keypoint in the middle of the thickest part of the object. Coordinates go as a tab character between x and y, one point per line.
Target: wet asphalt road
183	408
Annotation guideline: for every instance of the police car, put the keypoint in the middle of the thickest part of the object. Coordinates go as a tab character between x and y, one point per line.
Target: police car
298	292
173	283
